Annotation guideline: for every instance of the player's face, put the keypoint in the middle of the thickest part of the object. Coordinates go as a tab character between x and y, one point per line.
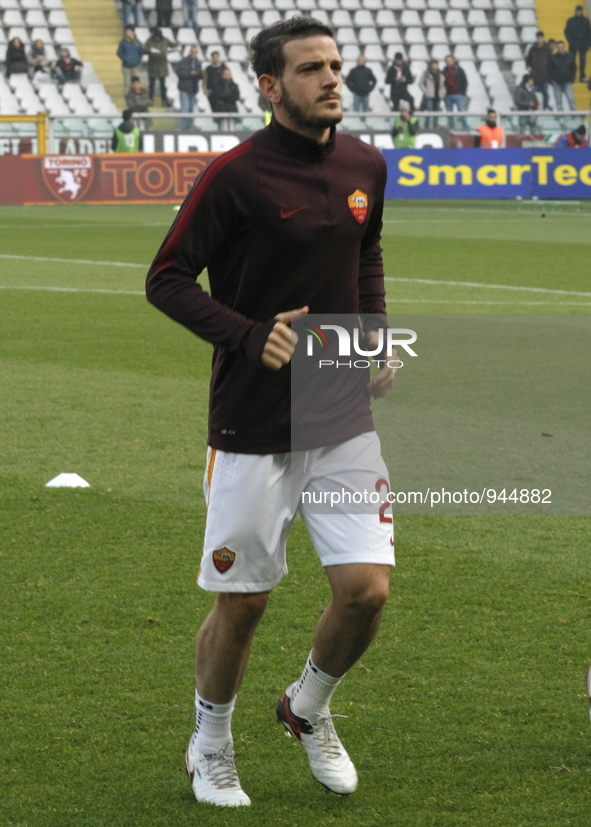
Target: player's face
311	86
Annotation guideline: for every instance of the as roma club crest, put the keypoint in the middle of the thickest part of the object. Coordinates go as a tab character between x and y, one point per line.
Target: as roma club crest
358	205
68	177
223	558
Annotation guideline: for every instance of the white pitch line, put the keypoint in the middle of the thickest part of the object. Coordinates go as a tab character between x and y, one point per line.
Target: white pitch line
507	303
75	261
71	289
488	286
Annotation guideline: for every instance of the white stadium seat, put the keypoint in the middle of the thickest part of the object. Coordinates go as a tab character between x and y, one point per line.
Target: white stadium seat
186	37
396	5
439	51
455	17
504	17
204	18
368	34
63	36
35	17
12	17
463	51
57	18
459	34
503	4
414	35
391	35
476	17
39	33
436	35
20	32
385	17
249	17
486	51
227	18
341	18
232	34
351	5
526	17
418	51
346	35
442	5
419	5
511	52
481	34
528	34
363	17
270	16
410	18
432	17
483	5
508	34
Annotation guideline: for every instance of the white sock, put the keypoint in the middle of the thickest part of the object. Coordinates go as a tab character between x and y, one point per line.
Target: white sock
311	694
213	722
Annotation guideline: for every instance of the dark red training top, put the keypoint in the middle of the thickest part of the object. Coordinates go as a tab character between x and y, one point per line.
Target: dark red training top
271	221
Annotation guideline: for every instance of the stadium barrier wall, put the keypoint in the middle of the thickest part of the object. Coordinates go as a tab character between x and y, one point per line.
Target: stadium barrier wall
99	179
489	173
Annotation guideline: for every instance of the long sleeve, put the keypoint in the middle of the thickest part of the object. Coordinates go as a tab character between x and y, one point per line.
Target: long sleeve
372	294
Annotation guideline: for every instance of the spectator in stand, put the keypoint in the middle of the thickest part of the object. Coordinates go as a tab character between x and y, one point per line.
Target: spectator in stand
526	100
164	13
361	81
456	85
157	47
67	69
130	52
573	140
137	98
39	61
16	59
578	34
432	85
189	71
563	70
190	11
131	7
490	136
212	77
406	127
538	66
227	94
127	137
398	78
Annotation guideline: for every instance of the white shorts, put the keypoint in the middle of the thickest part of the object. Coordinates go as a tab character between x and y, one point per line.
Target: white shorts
252	501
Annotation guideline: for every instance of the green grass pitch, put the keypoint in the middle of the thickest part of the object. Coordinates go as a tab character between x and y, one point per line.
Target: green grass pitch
470	709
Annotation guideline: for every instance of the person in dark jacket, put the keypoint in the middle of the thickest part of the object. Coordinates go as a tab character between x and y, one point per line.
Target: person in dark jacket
157	48
67	68
563	70
226	95
525	101
212	77
573	140
538	66
127	137
189	71
137	97
130	53
164	12
456	85
398	78
16	58
578	33
361	81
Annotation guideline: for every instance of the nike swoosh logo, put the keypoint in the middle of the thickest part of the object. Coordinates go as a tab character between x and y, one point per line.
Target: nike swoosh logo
288	213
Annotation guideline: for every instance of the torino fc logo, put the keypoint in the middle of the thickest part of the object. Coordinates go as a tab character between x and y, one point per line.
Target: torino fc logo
68	177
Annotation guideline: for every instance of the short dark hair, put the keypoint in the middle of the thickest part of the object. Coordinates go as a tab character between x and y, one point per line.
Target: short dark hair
525	79
398	56
578	7
130	27
128	114
539	34
266	48
134	78
580	130
490	111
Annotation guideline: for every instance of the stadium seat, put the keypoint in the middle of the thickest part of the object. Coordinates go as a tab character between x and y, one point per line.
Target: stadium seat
482	5
373	5
528	34
374	52
504	17
395	5
419	5
455	17
186	37
464	5
351	5
481	34
30	4
459	34
525	4
486	51
526	17
476	17
442	5
508	34
227	18
463	51
385	17
414	35
439	51
39	33
322	15
238	52
328	5
8	4
436	35
341	18
410	18
63	36
249	17
432	17
232	35
418	51
53	4
350	52
362	17
286	6
250	33
346	35
12	17
368	35
208	36
57	18
218	5
262	5
20	32
503	4
270	16
35	17
490	68
512	51
204	18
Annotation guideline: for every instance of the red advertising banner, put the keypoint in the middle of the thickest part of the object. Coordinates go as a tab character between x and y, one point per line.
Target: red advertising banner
161	178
